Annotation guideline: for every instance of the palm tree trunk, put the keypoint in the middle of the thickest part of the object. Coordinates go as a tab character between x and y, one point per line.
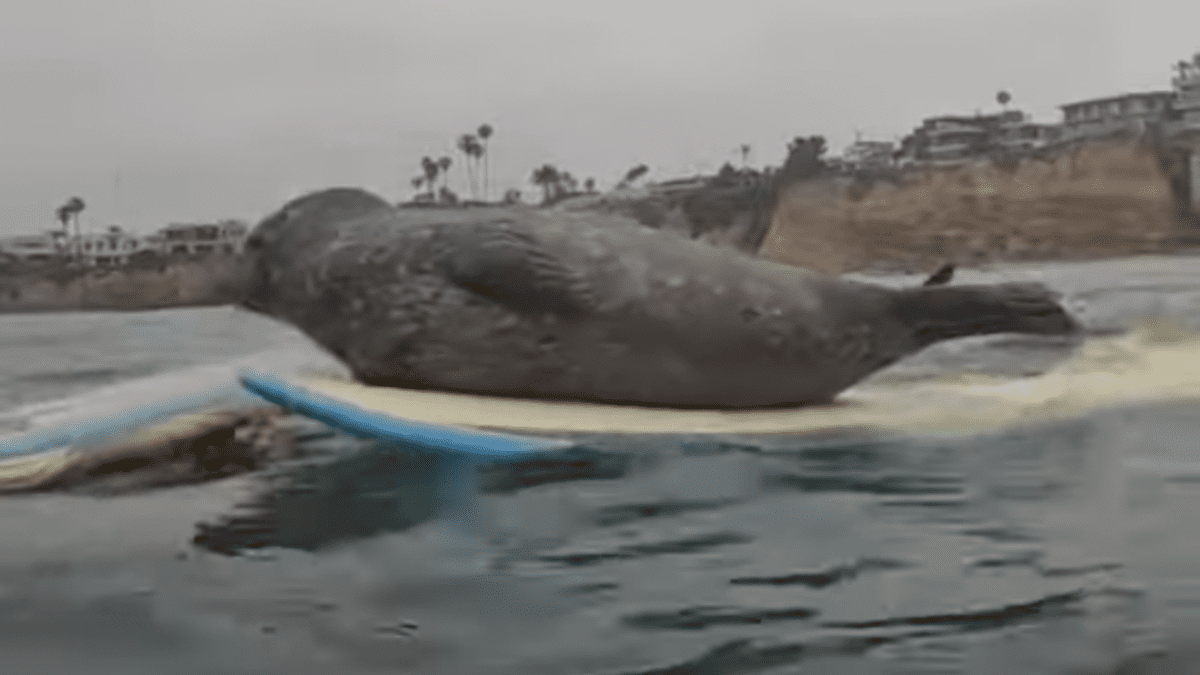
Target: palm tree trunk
78	239
467	170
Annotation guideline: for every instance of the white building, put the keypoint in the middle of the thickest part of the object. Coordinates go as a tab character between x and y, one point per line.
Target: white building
1127	112
1024	134
33	247
1186	84
112	247
227	236
115	246
868	155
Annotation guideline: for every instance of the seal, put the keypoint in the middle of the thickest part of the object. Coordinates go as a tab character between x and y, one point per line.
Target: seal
586	307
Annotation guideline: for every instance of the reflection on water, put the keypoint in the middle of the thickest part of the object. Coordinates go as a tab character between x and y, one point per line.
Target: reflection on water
938	554
1056	530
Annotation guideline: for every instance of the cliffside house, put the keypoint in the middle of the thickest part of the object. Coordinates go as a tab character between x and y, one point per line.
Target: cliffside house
1100	117
950	140
112	247
226	236
32	248
677	186
1186	85
1185	131
866	155
1025	135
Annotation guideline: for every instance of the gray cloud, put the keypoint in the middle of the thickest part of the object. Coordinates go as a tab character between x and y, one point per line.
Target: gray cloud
225	108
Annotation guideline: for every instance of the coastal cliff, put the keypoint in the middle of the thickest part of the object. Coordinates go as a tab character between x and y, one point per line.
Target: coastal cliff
176	283
1094	200
1100	199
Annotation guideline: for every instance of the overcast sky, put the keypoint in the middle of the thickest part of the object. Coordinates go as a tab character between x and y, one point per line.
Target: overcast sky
157	111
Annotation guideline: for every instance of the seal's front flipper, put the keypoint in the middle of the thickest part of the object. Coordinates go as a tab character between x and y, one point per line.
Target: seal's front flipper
502	262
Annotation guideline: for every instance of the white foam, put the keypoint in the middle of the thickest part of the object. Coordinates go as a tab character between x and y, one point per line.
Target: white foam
213	382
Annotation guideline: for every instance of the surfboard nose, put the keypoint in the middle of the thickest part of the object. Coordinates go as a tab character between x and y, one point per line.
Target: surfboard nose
460	450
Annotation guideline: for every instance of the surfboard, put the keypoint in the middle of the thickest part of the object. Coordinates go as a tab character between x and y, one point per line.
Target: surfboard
1150	363
356	416
1145	365
34	458
460	447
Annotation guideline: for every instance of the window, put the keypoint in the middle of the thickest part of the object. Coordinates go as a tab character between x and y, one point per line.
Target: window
204	248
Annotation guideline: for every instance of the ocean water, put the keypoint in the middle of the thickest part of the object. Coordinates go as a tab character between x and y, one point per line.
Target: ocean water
1056	529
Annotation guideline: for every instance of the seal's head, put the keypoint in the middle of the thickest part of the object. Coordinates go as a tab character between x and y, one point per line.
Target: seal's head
936	313
297	225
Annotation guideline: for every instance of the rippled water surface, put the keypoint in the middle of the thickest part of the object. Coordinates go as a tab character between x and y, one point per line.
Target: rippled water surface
1066	544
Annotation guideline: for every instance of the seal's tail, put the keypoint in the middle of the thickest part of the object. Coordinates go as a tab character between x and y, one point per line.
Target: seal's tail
938	313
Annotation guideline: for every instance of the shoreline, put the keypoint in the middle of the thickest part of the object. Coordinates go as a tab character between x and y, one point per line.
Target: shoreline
203	282
899	262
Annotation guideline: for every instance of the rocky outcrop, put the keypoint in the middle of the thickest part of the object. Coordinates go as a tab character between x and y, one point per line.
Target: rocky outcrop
721	215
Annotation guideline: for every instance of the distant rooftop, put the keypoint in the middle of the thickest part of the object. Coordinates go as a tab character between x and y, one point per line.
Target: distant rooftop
1118	97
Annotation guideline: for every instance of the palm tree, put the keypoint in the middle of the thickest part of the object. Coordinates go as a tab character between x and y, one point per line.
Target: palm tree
68	212
467	144
444	163
485	132
567	183
418	182
1003	97
62	237
431	169
476	153
633	174
745	153
77	207
546	177
63	215
589	185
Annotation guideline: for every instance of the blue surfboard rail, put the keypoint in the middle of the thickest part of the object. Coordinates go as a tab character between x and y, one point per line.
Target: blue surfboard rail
451	441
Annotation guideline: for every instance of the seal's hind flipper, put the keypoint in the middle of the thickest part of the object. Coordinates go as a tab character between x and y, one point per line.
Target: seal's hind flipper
940	277
506	264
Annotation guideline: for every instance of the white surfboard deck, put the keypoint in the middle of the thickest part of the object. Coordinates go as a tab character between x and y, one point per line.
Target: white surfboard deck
1147	365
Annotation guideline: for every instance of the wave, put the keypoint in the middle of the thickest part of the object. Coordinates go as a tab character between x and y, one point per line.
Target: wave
194	384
